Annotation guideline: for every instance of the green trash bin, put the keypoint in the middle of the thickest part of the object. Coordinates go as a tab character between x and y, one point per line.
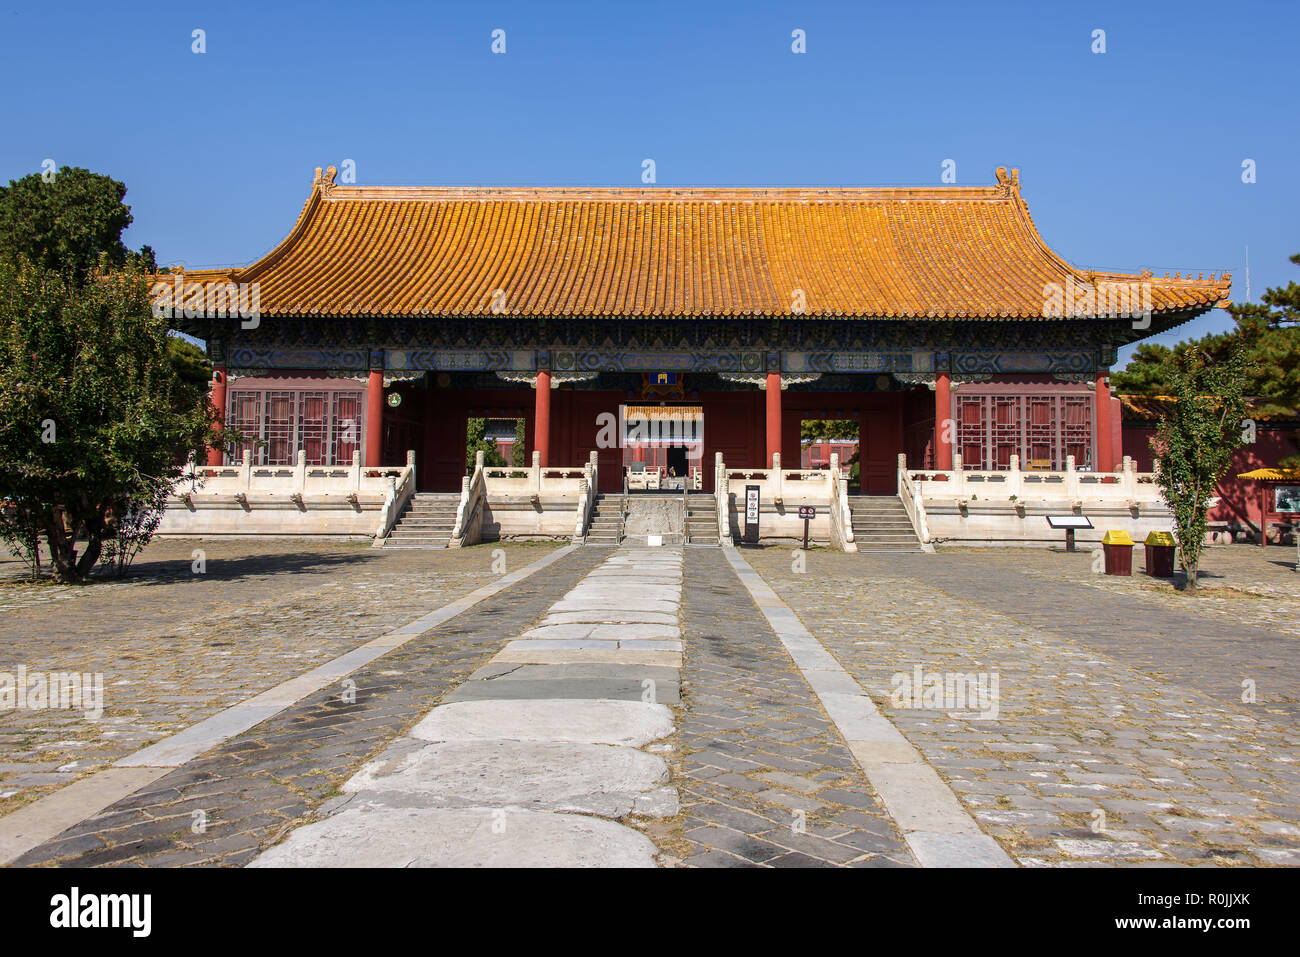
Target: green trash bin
1118	547
1160	554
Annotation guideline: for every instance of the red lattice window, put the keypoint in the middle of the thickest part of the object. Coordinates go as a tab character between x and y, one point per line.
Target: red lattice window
347	426
276	423
279	428
972	421
1077	430
1006	431
314	426
1041	429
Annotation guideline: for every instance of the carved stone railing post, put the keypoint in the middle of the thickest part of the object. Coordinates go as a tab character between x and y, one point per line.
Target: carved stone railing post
722	498
1071	481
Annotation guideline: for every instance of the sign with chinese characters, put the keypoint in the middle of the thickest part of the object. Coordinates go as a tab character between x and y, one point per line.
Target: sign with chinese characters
751	514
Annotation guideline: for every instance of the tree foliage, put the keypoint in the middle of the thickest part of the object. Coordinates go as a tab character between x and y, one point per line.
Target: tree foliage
1196	438
68	224
99	406
821	430
1268	331
193	370
94	421
476	440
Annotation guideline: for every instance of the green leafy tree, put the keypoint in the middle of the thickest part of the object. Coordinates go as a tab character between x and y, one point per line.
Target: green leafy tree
820	430
1147	373
93	425
193	370
67	224
517	450
1196	437
99	406
476	440
1269	331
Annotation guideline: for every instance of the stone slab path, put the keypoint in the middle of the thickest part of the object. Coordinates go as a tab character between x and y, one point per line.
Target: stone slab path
226	805
714	708
533	761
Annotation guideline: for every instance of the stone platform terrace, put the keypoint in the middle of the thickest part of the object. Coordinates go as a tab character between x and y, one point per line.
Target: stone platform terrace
670	706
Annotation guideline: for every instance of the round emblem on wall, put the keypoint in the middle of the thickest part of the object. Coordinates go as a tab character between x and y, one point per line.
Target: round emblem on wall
395	399
444	380
882	382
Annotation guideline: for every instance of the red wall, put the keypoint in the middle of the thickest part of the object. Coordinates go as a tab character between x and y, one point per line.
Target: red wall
1240	500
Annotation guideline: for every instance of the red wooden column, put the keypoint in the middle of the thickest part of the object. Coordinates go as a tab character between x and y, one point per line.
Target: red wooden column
218	399
773	417
942	427
1105	438
542	417
1263	515
375	418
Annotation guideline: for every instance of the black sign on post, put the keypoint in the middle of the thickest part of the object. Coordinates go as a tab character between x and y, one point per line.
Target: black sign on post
807	513
751	514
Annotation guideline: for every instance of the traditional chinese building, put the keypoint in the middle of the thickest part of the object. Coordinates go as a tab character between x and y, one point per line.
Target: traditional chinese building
935	318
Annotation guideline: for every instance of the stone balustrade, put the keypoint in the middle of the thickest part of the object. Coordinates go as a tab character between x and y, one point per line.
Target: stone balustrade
1010	506
300	499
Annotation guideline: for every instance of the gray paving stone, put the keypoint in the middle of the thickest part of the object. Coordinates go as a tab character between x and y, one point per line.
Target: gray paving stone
422	837
604	780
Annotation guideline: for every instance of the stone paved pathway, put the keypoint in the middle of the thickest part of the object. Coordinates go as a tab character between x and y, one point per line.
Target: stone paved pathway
766	780
226	805
175	646
1120	736
637	706
531	761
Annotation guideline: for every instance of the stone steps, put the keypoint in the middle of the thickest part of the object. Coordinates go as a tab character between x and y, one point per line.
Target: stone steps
880	524
701	520
606	526
427	521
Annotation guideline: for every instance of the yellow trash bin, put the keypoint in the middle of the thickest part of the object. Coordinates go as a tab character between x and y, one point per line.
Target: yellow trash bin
1160	554
1118	547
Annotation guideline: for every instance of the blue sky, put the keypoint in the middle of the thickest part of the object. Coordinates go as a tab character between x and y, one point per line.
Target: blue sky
1129	159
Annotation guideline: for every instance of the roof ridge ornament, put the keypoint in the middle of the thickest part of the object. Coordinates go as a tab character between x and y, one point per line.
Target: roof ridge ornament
1009	183
325	183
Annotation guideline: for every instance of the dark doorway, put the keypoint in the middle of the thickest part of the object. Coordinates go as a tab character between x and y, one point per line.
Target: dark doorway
676	460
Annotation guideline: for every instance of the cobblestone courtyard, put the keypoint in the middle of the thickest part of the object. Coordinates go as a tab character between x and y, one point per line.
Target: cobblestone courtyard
176	646
1120	737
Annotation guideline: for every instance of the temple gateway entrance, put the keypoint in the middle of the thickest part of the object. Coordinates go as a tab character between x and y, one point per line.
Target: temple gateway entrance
663	446
676	461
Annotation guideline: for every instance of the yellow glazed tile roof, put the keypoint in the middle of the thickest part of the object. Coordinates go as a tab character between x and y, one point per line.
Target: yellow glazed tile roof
909	252
1272	475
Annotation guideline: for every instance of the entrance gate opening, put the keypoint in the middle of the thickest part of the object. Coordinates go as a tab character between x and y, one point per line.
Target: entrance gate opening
663	446
819	439
500	440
